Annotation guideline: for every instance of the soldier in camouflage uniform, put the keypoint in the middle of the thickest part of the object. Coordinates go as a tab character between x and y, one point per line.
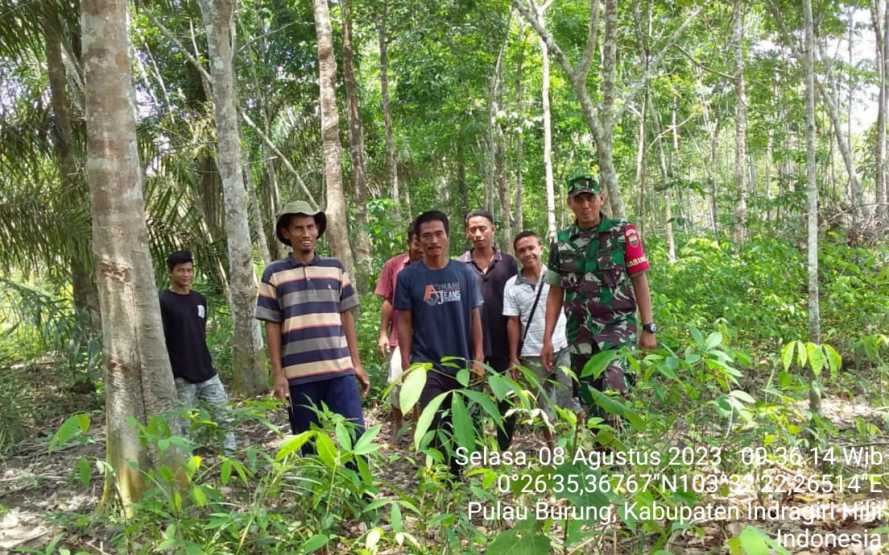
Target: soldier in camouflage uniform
597	270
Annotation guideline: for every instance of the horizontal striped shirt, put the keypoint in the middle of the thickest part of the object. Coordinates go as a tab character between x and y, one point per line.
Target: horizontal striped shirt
307	299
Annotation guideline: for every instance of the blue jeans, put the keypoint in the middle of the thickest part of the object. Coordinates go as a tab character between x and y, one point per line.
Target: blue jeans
340	394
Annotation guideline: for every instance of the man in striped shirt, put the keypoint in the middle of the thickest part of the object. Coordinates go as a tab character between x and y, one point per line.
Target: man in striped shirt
307	301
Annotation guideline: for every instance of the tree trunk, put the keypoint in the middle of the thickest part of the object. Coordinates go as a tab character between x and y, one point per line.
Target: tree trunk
741	182
361	244
667	178
548	146
391	154
812	195
259	224
337	230
882	189
138	377
250	377
880	142
604	143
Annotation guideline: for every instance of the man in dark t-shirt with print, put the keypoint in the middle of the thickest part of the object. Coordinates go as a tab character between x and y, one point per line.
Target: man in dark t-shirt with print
439	302
184	315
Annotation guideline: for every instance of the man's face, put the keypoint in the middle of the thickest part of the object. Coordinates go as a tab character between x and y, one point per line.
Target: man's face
302	233
415	249
480	231
182	275
586	208
528	250
434	239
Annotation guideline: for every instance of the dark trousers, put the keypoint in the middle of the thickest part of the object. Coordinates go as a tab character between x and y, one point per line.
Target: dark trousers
436	384
504	436
340	394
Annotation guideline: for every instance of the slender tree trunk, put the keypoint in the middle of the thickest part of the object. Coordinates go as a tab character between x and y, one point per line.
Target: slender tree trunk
604	143
880	142
640	165
138	377
666	176
812	195
391	154
548	145
337	231
882	189
250	377
361	244
517	216
741	182
259	225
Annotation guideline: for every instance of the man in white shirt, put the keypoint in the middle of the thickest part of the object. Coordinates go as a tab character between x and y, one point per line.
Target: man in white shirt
524	303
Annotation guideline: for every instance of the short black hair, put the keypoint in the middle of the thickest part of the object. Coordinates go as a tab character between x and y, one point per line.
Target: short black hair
178	257
432	216
522	235
479	212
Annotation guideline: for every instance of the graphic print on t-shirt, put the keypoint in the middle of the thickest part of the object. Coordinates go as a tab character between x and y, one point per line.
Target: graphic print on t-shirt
200	311
441	293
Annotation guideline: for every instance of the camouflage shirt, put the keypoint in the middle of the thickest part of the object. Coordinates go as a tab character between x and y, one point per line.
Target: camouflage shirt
593	266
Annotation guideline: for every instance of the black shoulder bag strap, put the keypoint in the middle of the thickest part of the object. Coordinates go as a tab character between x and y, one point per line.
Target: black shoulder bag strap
531	316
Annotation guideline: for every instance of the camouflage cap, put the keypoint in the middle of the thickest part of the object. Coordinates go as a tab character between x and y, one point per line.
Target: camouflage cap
299	207
582	183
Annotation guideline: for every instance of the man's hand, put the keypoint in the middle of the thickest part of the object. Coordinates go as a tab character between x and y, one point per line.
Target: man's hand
514	371
281	388
383	345
547	356
478	369
363	379
647	340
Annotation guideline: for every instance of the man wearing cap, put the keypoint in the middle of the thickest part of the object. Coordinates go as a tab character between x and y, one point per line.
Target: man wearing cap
307	301
597	271
184	316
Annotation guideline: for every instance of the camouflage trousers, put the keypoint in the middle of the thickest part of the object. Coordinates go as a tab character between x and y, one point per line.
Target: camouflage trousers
613	378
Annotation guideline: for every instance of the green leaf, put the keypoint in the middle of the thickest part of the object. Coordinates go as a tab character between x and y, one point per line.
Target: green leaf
365	444
485	403
787	355
463	377
314	543
834	360
613	406
598	363
411	389
395	518
499	386
464	431
83	471
342	436
426	417
801	354
816	358
225	472
326	450
714	340
753	541
293	444
74	426
519	542
742	396
199	496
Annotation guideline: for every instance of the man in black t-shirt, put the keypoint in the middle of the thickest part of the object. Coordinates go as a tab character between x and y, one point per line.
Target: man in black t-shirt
184	314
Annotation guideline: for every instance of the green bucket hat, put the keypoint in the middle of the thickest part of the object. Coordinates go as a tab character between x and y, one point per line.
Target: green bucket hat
582	183
299	207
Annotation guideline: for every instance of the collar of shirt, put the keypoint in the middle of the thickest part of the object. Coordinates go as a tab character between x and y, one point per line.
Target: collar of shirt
297	264
521	279
467	258
603	226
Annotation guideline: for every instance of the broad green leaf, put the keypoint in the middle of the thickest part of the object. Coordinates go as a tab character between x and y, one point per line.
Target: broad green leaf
463	377
485	402
426	417
411	389
613	406
225	471
834	360
293	444
787	355
519	542
314	543
714	340
464	431
74	426
742	396
365	443
326	450
373	538
199	496
83	471
598	363
395	518
499	386
816	358
801	354
343	436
